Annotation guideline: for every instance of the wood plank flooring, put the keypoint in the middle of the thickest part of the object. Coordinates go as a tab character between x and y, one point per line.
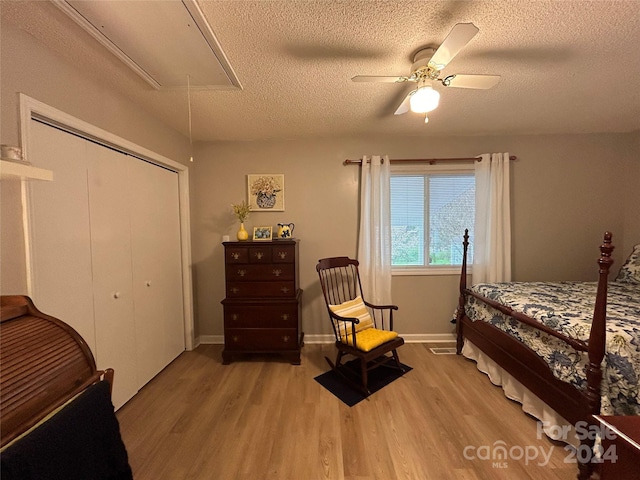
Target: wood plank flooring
263	418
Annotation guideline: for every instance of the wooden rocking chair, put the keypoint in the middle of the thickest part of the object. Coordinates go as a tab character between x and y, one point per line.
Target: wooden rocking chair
361	329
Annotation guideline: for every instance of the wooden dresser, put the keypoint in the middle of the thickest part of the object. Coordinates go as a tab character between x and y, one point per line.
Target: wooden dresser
263	299
621	446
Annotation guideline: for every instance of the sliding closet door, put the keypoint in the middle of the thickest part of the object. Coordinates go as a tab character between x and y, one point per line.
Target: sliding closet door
113	300
61	239
157	268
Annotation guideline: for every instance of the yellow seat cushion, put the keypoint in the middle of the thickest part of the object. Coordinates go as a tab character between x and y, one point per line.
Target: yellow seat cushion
353	308
367	340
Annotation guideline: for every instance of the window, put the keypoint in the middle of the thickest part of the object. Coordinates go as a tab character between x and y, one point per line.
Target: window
430	208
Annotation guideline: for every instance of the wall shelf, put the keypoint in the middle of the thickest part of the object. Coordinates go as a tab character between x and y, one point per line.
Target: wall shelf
14	170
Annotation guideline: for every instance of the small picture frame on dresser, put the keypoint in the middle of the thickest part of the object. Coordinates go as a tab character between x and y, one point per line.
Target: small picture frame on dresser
262	233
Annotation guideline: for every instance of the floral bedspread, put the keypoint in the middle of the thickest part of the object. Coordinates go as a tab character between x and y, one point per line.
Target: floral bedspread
567	307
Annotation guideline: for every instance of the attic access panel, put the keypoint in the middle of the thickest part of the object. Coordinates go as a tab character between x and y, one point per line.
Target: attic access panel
163	42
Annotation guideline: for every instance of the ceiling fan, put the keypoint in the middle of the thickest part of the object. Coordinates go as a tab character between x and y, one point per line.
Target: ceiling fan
427	65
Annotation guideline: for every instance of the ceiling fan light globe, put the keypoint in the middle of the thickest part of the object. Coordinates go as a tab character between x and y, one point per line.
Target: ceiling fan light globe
424	100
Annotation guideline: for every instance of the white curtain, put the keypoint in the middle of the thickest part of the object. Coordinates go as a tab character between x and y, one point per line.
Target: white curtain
492	235
374	241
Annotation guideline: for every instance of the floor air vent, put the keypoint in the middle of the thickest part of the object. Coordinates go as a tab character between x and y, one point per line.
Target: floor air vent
443	350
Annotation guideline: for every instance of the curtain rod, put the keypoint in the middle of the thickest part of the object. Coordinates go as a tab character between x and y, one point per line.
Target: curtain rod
430	161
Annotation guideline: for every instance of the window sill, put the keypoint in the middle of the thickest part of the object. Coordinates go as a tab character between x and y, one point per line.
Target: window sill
422	271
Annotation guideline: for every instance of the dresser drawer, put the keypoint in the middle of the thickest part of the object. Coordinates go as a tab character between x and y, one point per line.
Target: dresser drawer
283	254
261	316
253	272
260	254
249	254
260	339
236	255
280	289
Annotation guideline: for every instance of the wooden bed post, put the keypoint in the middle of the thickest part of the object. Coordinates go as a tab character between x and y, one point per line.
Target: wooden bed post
598	334
463	287
597	345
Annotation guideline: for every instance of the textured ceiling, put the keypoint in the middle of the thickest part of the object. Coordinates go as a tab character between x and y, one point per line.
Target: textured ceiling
566	67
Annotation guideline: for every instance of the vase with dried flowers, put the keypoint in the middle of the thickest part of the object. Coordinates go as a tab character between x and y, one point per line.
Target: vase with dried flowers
241	210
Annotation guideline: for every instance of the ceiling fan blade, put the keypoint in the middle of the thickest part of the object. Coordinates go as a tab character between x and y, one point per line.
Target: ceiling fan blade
378	78
405	105
482	82
458	37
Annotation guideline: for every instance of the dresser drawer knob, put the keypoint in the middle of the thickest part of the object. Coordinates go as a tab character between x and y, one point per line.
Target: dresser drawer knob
284	290
242	273
285	316
282	255
286	338
235	256
277	272
235	317
235	339
235	290
259	255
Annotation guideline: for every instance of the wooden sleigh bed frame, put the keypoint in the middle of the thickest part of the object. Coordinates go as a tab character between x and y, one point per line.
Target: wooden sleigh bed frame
56	416
531	370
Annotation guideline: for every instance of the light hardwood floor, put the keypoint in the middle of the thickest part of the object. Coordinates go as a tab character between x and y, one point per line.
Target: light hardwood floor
265	419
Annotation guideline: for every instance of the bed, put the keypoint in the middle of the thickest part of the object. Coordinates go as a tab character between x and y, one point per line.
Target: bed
574	345
56	416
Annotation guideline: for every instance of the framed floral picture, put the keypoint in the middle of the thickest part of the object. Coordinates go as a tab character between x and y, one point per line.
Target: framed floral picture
266	192
261	233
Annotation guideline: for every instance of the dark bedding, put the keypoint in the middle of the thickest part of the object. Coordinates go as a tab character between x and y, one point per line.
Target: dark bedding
80	442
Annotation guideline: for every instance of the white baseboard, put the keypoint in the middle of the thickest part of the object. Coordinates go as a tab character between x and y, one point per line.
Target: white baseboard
428	337
408	338
210	340
319	338
329	338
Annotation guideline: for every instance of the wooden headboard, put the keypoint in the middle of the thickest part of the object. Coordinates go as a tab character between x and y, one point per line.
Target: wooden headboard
43	363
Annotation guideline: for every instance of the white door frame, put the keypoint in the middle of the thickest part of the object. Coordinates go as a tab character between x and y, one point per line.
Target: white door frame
31	109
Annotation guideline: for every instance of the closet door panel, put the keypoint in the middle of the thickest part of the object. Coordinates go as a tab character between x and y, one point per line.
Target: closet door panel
60	236
157	271
111	260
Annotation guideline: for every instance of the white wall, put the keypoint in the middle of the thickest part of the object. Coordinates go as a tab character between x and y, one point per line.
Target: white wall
566	191
631	202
